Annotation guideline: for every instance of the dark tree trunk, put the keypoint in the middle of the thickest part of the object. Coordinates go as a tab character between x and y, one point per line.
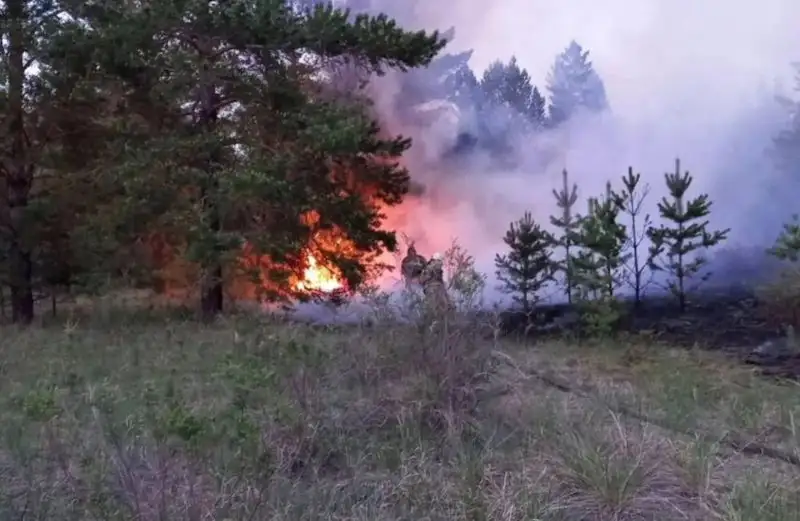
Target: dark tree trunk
212	298
212	295
18	172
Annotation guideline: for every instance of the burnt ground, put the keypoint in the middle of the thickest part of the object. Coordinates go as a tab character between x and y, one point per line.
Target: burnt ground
728	320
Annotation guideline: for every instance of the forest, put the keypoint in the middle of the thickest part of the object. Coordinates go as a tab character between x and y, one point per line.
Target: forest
206	154
134	147
138	154
140	134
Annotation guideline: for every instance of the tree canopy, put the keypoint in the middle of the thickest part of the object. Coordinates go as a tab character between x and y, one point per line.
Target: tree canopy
216	146
211	125
574	84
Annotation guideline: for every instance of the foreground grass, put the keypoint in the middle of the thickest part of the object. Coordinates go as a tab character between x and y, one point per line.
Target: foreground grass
158	419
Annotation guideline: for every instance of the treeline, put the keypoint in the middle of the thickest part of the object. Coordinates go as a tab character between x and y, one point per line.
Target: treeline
134	132
612	247
503	100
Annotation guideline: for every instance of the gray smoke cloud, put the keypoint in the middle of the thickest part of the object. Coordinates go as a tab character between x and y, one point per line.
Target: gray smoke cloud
697	80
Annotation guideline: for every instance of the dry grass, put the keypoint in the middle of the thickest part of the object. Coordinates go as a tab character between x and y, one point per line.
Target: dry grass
155	417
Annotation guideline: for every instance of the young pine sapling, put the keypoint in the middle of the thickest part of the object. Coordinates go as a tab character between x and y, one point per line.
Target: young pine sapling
779	298
787	246
567	222
677	247
602	240
629	201
527	267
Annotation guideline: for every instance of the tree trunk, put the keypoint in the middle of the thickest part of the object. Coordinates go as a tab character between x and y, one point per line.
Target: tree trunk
18	171
212	296
211	300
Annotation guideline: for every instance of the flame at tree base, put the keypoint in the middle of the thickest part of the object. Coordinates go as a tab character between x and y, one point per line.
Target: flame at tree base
251	278
317	278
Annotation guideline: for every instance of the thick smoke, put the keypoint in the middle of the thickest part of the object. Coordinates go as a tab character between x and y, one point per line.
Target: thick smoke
684	78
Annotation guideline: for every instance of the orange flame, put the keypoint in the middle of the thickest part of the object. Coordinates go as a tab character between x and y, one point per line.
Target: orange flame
318	278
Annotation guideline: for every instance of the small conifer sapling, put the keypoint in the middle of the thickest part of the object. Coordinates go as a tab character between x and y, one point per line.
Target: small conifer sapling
602	239
527	267
787	246
629	201
567	223
780	297
677	247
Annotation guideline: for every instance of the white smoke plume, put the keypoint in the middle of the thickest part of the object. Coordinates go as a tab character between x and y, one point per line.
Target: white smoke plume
688	79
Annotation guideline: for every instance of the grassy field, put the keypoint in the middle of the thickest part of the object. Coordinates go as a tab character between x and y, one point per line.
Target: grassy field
155	417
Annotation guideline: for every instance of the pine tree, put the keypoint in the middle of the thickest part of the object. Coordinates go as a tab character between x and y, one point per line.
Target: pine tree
787	245
493	81
463	88
687	233
629	201
235	136
17	167
499	119
567	223
512	98
508	84
45	111
445	77
574	84
601	239
528	266
779	298
537	109
786	149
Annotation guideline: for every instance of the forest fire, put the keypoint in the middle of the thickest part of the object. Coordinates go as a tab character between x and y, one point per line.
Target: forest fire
318	278
316	275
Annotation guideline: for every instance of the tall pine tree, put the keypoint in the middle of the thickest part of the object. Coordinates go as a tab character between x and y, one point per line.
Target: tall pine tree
48	118
573	85
236	134
17	166
508	86
537	109
787	142
447	76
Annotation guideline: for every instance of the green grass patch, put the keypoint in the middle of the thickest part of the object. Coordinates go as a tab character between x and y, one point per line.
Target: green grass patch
161	418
